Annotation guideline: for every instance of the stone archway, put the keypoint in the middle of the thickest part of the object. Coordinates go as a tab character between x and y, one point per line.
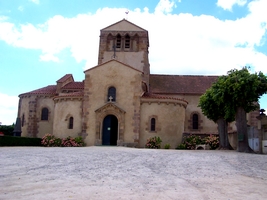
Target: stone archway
110	130
109	109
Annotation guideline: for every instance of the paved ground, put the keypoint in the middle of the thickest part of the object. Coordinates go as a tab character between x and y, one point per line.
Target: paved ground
128	173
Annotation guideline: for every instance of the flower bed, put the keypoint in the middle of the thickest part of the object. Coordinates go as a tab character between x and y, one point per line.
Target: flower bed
50	140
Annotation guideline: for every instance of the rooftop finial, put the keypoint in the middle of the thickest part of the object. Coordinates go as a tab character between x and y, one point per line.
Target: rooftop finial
126	12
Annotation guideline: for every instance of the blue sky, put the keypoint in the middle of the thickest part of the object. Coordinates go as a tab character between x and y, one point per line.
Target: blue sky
42	40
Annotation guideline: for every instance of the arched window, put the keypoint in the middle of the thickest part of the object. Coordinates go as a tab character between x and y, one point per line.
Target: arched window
127	42
22	120
44	115
195	121
71	123
152	124
118	41
111	94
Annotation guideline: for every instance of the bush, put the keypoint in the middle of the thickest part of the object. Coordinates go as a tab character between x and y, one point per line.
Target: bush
73	142
181	146
153	143
19	141
50	140
212	141
190	142
7	130
167	146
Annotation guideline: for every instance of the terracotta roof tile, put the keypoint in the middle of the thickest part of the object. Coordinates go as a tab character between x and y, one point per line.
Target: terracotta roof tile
74	85
50	89
156	96
180	84
64	78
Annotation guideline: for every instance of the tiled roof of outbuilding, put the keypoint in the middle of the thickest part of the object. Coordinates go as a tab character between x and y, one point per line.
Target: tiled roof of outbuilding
156	96
50	90
180	84
74	85
64	78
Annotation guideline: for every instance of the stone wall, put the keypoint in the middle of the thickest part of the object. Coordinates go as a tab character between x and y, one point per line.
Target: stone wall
169	116
128	84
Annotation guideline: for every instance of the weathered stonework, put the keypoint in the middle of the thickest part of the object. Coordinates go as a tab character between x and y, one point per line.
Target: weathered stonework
137	97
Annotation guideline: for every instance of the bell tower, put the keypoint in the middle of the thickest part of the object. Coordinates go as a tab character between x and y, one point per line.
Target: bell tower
127	43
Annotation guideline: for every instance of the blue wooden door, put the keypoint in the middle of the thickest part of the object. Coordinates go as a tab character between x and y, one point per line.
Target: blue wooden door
110	130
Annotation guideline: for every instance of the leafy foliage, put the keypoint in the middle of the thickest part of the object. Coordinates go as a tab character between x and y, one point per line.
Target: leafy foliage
153	143
191	141
167	146
212	141
232	96
50	140
7	130
241	89
19	141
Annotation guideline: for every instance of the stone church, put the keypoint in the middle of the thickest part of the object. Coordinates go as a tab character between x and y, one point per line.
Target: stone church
119	102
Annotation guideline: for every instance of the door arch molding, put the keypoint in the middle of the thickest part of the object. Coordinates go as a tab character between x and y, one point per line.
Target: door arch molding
109	109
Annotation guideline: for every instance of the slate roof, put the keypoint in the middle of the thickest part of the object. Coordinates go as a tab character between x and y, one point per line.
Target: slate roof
180	84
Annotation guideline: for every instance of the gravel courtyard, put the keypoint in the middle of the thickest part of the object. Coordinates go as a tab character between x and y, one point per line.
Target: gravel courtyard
129	173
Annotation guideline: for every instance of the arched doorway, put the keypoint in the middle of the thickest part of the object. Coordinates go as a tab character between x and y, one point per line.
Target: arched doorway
110	130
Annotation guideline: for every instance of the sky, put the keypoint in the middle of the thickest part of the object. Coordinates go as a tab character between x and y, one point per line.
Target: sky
42	40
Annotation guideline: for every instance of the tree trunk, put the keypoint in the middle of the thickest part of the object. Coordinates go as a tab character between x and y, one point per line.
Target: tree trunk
223	134
242	131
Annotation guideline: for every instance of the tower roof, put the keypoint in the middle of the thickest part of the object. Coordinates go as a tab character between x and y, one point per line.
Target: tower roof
123	25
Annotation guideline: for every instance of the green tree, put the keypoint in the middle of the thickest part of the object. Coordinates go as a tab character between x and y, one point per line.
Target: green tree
216	112
239	91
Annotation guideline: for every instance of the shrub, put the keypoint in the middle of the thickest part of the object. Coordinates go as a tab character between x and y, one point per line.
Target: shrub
181	146
153	143
167	146
73	142
192	140
212	141
7	130
50	140
19	141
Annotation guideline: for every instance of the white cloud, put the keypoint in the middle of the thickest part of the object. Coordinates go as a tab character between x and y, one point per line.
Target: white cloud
8	107
179	44
3	18
228	4
21	8
184	44
35	1
164	7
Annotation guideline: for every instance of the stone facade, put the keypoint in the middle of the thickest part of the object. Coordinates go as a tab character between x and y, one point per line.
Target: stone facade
119	102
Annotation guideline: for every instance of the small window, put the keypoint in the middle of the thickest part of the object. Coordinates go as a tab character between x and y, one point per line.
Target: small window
195	121
153	124
118	42
127	42
44	115
22	120
111	94
71	123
